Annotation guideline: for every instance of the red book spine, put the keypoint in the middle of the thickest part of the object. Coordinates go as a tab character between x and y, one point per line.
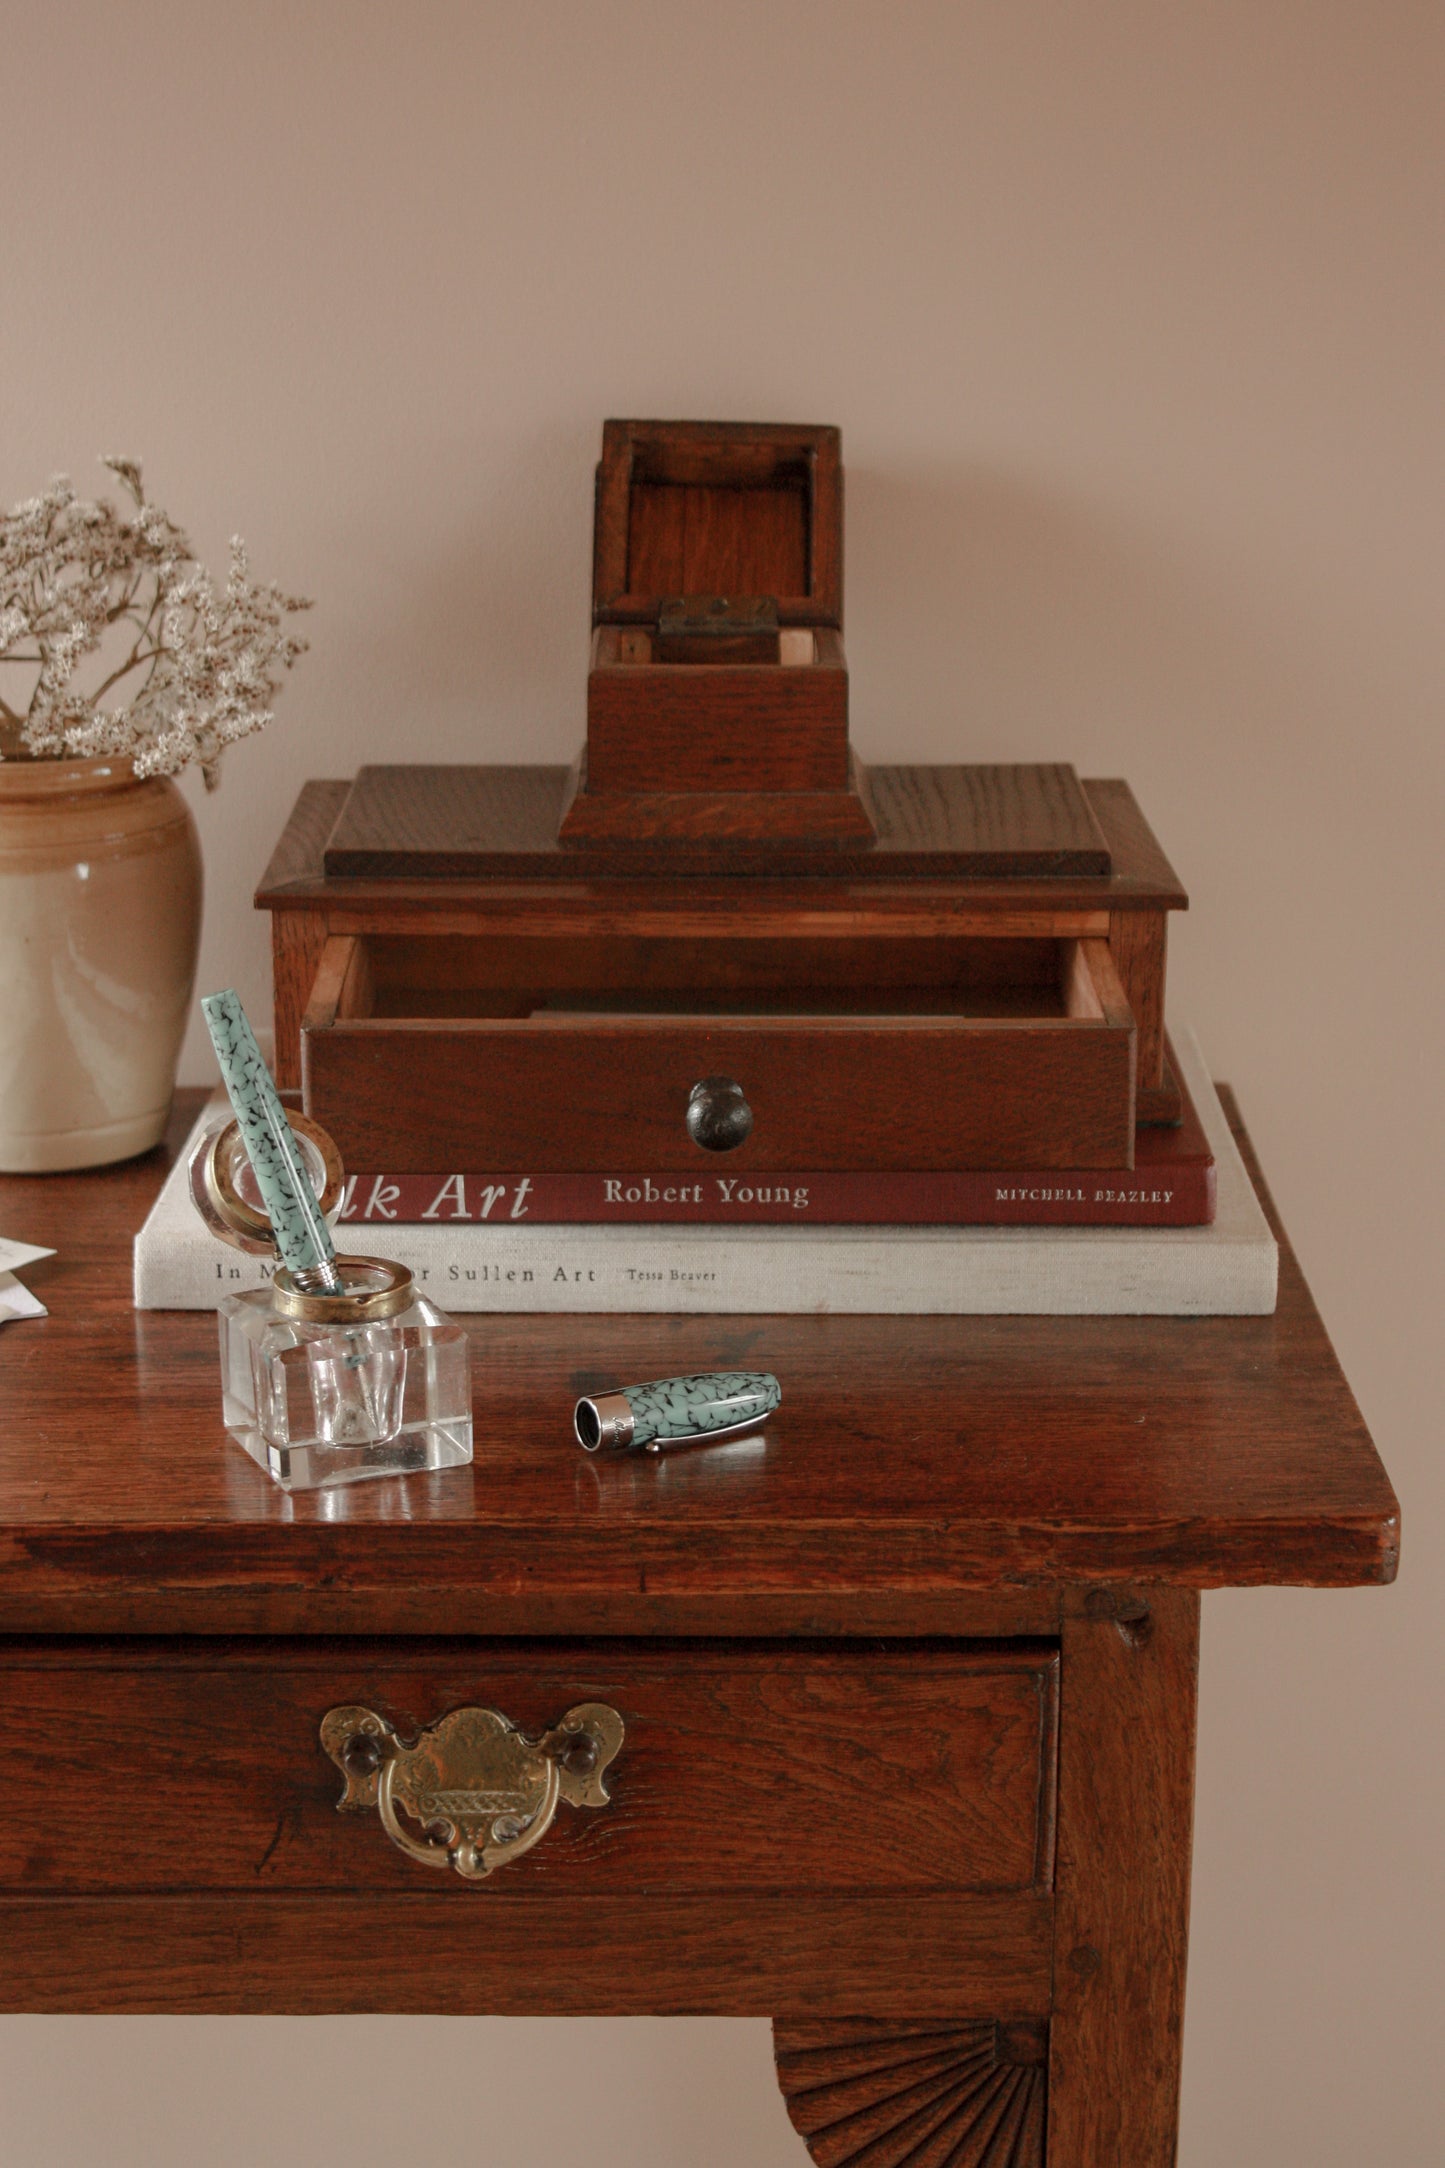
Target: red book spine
1157	1192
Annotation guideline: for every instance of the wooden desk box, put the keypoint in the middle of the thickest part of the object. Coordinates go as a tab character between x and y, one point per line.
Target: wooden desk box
506	969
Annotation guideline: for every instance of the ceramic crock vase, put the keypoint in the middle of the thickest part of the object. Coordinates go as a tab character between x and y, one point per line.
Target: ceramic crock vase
100	915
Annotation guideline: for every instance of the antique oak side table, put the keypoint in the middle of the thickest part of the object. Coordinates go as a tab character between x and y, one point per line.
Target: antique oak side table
908	1686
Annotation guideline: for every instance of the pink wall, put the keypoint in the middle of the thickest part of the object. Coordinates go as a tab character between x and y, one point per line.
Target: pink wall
1130	318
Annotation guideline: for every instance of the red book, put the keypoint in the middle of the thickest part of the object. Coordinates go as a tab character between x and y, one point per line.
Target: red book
1171	1184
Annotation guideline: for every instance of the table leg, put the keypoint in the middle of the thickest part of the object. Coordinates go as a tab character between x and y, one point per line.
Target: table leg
1101	2077
1126	1792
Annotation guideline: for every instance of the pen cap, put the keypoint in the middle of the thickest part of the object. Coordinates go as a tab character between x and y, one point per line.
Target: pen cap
604	1423
669	1410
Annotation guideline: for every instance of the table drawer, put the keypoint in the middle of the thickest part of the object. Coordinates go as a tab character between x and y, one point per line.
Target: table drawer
530	1054
756	1767
812	1830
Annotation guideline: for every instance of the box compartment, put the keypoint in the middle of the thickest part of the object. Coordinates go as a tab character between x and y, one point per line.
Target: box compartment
695	726
723	527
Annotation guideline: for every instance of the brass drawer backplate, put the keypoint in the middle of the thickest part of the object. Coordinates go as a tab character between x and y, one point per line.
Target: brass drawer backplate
481	1792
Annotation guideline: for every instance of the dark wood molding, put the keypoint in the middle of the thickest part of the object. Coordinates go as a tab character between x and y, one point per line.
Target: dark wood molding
456	1950
882	2094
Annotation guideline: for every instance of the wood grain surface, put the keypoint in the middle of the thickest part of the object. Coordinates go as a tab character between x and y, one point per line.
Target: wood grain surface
716	725
298	942
1126	1796
298	937
923	1475
458	1950
688	508
746	1767
1138	942
1015	824
711	539
731	827
546	957
560	1092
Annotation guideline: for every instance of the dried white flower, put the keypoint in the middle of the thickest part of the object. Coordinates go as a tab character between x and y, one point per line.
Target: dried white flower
204	665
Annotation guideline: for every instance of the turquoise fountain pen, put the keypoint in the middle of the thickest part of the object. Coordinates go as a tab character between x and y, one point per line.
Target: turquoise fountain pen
302	1237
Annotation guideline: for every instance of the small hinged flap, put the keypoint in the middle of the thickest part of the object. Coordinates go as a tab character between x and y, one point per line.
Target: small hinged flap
717	617
718	509
718	628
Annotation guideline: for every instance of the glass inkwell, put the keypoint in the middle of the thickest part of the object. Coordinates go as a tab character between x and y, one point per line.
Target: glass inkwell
340	1369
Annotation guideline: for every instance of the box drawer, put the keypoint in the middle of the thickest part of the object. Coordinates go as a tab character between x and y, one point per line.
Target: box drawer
530	1054
766	1801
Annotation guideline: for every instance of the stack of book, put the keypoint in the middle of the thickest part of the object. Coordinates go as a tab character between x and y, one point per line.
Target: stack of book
1179	1233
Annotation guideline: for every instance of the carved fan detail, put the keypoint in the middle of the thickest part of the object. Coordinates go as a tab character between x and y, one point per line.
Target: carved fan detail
874	2094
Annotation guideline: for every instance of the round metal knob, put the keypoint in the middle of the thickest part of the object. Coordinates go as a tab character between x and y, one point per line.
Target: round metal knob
718	1116
579	1759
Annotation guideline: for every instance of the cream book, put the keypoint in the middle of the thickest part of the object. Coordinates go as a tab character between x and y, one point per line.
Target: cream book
1229	1269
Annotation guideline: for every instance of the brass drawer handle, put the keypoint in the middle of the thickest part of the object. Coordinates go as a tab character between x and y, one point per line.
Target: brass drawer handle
482	1792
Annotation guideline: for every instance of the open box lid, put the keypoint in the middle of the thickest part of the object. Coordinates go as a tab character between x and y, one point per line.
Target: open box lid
718	508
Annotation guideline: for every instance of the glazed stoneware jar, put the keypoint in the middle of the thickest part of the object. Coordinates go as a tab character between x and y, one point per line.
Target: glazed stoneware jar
100	915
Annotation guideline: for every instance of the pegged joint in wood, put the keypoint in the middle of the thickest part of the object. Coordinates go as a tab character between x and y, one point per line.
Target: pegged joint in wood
1127	1610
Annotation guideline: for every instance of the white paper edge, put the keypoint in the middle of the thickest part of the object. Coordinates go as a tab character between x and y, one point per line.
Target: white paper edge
17	1301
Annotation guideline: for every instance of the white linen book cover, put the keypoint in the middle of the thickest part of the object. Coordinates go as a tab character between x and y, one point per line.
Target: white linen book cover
1227	1269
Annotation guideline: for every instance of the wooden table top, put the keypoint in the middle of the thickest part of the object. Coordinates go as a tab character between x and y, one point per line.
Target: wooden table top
924	1475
